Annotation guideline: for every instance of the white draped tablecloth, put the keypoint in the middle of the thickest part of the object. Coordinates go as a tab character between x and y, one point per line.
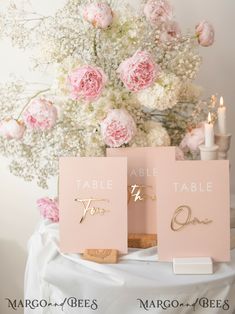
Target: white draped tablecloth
137	284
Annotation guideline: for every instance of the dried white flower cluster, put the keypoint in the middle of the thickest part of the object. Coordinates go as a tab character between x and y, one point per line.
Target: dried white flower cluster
84	50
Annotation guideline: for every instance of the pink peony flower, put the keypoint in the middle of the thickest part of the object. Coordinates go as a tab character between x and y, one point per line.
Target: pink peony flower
139	71
40	115
193	139
118	128
98	14
12	129
179	154
158	11
171	30
49	208
205	34
87	83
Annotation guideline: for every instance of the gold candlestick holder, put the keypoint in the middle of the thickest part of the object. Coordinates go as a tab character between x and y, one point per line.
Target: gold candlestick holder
223	142
208	153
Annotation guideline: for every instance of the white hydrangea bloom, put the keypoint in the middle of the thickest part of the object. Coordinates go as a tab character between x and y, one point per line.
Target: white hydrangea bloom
163	94
140	139
153	134
157	135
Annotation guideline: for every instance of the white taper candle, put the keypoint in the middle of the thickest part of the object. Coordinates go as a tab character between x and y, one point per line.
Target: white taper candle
222	117
209	132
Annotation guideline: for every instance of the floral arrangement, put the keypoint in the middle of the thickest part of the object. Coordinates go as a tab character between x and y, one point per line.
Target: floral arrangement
122	77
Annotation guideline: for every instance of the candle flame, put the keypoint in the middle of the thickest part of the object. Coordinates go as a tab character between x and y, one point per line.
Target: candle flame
209	118
221	101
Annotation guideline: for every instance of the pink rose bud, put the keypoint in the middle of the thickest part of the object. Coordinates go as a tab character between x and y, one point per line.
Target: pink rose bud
170	31
40	115
158	12
12	129
193	139
118	128
98	14
139	71
205	34
87	83
48	208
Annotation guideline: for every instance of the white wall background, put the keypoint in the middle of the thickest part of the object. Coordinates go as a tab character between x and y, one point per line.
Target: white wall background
18	214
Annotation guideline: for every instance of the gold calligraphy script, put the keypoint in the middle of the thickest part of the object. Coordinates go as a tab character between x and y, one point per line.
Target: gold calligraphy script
88	207
141	193
182	218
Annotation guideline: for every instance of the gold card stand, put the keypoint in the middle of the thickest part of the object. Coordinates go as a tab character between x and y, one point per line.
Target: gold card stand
106	256
142	240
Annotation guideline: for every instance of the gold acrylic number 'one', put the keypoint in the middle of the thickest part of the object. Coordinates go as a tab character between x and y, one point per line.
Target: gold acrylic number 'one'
185	212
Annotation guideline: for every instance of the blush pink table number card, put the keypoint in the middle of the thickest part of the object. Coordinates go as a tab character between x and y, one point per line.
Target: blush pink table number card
93	204
193	210
144	164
